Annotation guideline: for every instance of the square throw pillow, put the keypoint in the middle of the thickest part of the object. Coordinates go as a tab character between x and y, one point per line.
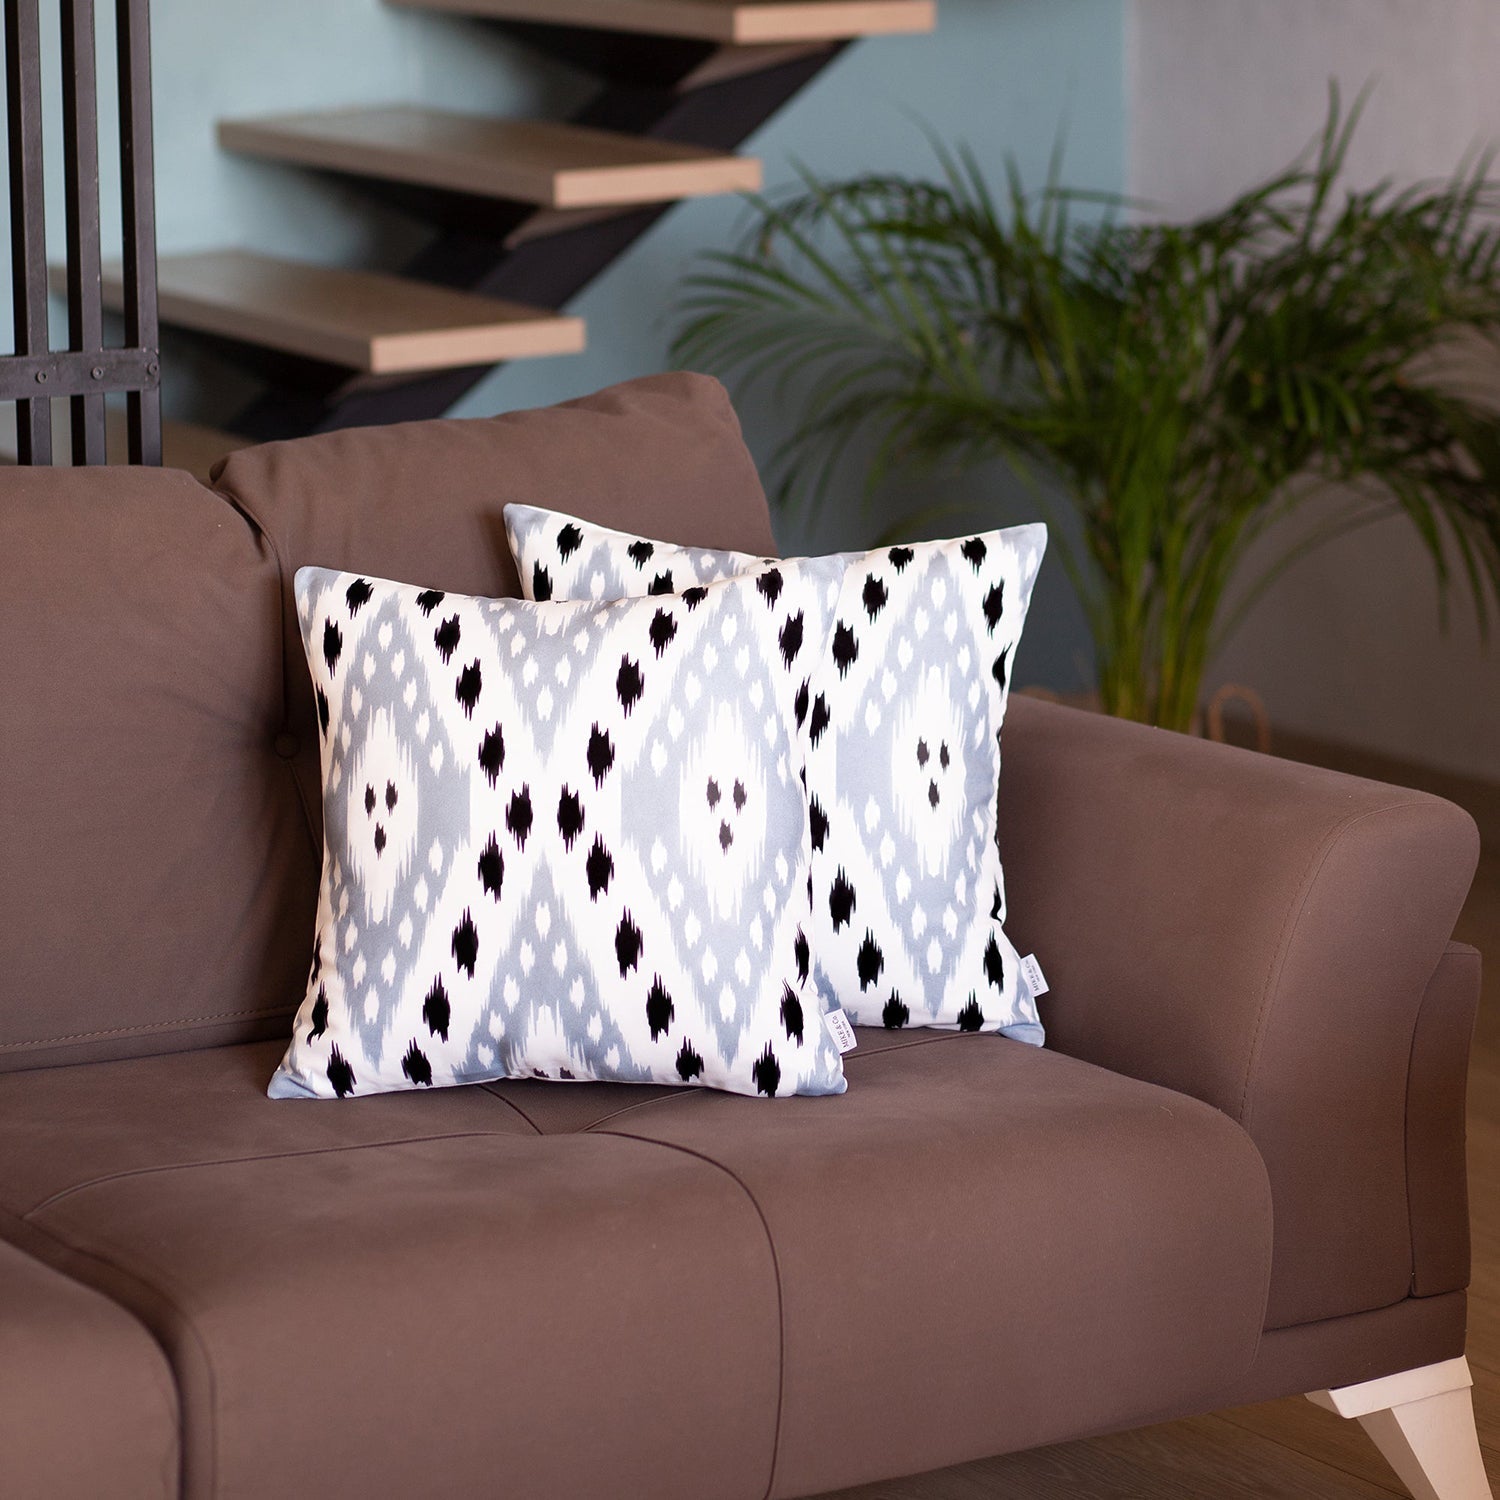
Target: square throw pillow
903	712
562	841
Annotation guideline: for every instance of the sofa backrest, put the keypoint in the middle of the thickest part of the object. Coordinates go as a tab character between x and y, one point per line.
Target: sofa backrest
160	810
423	502
155	866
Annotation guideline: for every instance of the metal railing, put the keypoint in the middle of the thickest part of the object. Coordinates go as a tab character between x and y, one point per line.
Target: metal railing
83	374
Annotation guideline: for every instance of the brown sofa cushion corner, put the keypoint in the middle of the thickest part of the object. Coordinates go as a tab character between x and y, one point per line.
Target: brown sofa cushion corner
88	1406
157	881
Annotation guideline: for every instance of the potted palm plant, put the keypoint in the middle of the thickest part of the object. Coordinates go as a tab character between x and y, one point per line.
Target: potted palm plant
1191	385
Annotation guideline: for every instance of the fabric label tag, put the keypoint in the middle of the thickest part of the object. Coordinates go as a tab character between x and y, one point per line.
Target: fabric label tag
1031	970
840	1030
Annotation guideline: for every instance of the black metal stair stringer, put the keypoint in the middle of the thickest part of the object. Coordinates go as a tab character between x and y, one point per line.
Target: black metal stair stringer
548	269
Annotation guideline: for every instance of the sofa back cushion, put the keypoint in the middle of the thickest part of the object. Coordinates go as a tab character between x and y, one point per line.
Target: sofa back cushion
423	502
160	799
156	874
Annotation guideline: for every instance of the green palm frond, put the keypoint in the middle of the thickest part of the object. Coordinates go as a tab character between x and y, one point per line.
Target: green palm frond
1189	384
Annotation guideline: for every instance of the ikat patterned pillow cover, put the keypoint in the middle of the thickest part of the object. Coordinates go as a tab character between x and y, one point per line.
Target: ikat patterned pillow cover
904	708
563	841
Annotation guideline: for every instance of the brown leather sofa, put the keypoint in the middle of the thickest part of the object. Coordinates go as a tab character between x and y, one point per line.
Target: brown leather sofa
1236	1171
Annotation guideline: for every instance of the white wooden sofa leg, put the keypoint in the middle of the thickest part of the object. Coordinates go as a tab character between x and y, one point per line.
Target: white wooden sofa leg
1423	1423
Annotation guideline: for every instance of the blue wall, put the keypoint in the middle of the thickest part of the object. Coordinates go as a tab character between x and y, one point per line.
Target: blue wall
1006	76
1003	75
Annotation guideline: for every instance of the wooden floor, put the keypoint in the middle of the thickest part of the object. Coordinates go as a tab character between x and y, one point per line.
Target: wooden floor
1290	1449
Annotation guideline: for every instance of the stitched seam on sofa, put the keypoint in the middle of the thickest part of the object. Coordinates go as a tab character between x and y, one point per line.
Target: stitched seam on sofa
1268	1253
962	1037
1411	1052
235	503
1363	1312
146	1027
679	1095
511	1105
1289	927
234	1161
163	1296
1461	954
740	1183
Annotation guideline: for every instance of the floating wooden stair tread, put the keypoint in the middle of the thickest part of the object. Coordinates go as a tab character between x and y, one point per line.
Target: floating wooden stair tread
379	324
729	22
555	166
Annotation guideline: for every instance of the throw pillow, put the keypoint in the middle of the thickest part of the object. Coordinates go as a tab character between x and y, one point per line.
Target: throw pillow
902	733
562	840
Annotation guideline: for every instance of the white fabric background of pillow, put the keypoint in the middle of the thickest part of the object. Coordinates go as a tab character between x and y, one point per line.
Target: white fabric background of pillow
902	727
562	840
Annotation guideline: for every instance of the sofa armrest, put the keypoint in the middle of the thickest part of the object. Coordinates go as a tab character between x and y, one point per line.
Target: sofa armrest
88	1405
1261	935
1436	1129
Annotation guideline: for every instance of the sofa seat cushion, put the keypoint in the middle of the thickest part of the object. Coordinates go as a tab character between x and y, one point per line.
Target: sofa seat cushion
992	1247
87	1402
616	1290
409	1294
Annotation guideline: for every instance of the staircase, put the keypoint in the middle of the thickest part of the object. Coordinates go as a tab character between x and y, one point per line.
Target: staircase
524	213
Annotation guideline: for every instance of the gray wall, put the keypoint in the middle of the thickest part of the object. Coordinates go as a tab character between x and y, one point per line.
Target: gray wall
1348	646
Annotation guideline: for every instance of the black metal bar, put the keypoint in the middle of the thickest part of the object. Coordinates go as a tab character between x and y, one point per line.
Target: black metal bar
137	179
548	270
81	181
64	373
28	229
